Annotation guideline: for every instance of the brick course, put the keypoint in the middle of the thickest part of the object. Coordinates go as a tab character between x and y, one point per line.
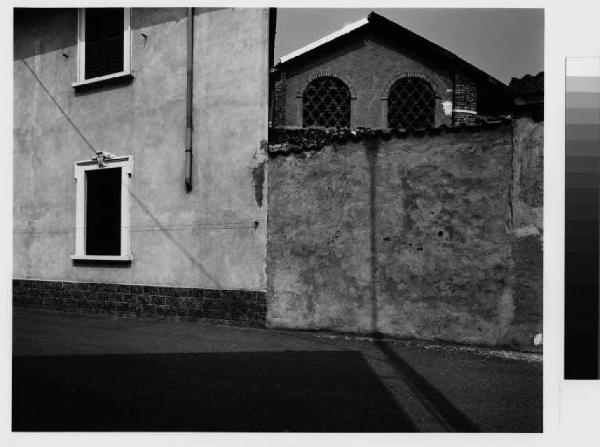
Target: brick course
280	100
236	307
465	98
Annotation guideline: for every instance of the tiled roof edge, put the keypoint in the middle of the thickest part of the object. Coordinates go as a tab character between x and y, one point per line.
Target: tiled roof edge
285	140
325	39
527	84
379	21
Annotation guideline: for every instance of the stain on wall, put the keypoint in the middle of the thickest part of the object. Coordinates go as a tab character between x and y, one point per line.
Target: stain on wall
406	237
258	177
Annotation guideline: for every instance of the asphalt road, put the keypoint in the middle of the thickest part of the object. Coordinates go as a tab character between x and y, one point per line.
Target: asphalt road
76	372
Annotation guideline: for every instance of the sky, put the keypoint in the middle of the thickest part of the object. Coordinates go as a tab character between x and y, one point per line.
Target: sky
502	42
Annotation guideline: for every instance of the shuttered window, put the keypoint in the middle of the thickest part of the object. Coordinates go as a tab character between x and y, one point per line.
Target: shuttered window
104	41
103	212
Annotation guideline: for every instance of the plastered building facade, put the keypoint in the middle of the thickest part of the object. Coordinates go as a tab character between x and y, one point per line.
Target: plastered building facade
198	252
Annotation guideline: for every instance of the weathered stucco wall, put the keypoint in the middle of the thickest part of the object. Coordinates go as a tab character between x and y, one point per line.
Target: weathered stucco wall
213	237
409	237
354	63
528	201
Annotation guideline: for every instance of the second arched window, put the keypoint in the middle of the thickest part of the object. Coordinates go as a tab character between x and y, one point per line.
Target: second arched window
326	103
411	104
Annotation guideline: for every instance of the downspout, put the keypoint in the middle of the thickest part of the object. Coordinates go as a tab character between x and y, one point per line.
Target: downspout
188	116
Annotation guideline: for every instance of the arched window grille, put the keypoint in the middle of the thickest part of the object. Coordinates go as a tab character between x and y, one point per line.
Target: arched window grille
326	102
411	104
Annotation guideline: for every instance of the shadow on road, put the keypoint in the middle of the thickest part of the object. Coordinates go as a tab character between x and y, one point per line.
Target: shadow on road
440	407
317	391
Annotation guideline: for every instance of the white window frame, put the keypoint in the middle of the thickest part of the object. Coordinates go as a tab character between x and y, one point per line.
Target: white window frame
81	80
81	167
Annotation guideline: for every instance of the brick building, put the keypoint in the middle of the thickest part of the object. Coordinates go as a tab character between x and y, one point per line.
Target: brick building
375	73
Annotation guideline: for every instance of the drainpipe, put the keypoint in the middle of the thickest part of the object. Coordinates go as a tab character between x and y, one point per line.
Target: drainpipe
188	116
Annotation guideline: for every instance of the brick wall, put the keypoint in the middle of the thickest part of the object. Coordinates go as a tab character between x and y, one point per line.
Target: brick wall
279	99
465	100
369	87
240	307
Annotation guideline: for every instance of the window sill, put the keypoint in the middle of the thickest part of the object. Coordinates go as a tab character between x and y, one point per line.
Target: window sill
122	76
124	258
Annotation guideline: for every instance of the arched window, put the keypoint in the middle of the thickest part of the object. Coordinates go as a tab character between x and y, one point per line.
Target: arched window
411	103
326	102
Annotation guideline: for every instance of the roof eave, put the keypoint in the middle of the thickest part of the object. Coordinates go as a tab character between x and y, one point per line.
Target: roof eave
323	40
380	22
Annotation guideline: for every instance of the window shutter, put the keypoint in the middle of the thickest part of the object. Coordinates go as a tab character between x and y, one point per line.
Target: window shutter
103	212
103	41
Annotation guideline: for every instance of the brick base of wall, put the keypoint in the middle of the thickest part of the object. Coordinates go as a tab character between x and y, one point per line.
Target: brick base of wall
236	307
